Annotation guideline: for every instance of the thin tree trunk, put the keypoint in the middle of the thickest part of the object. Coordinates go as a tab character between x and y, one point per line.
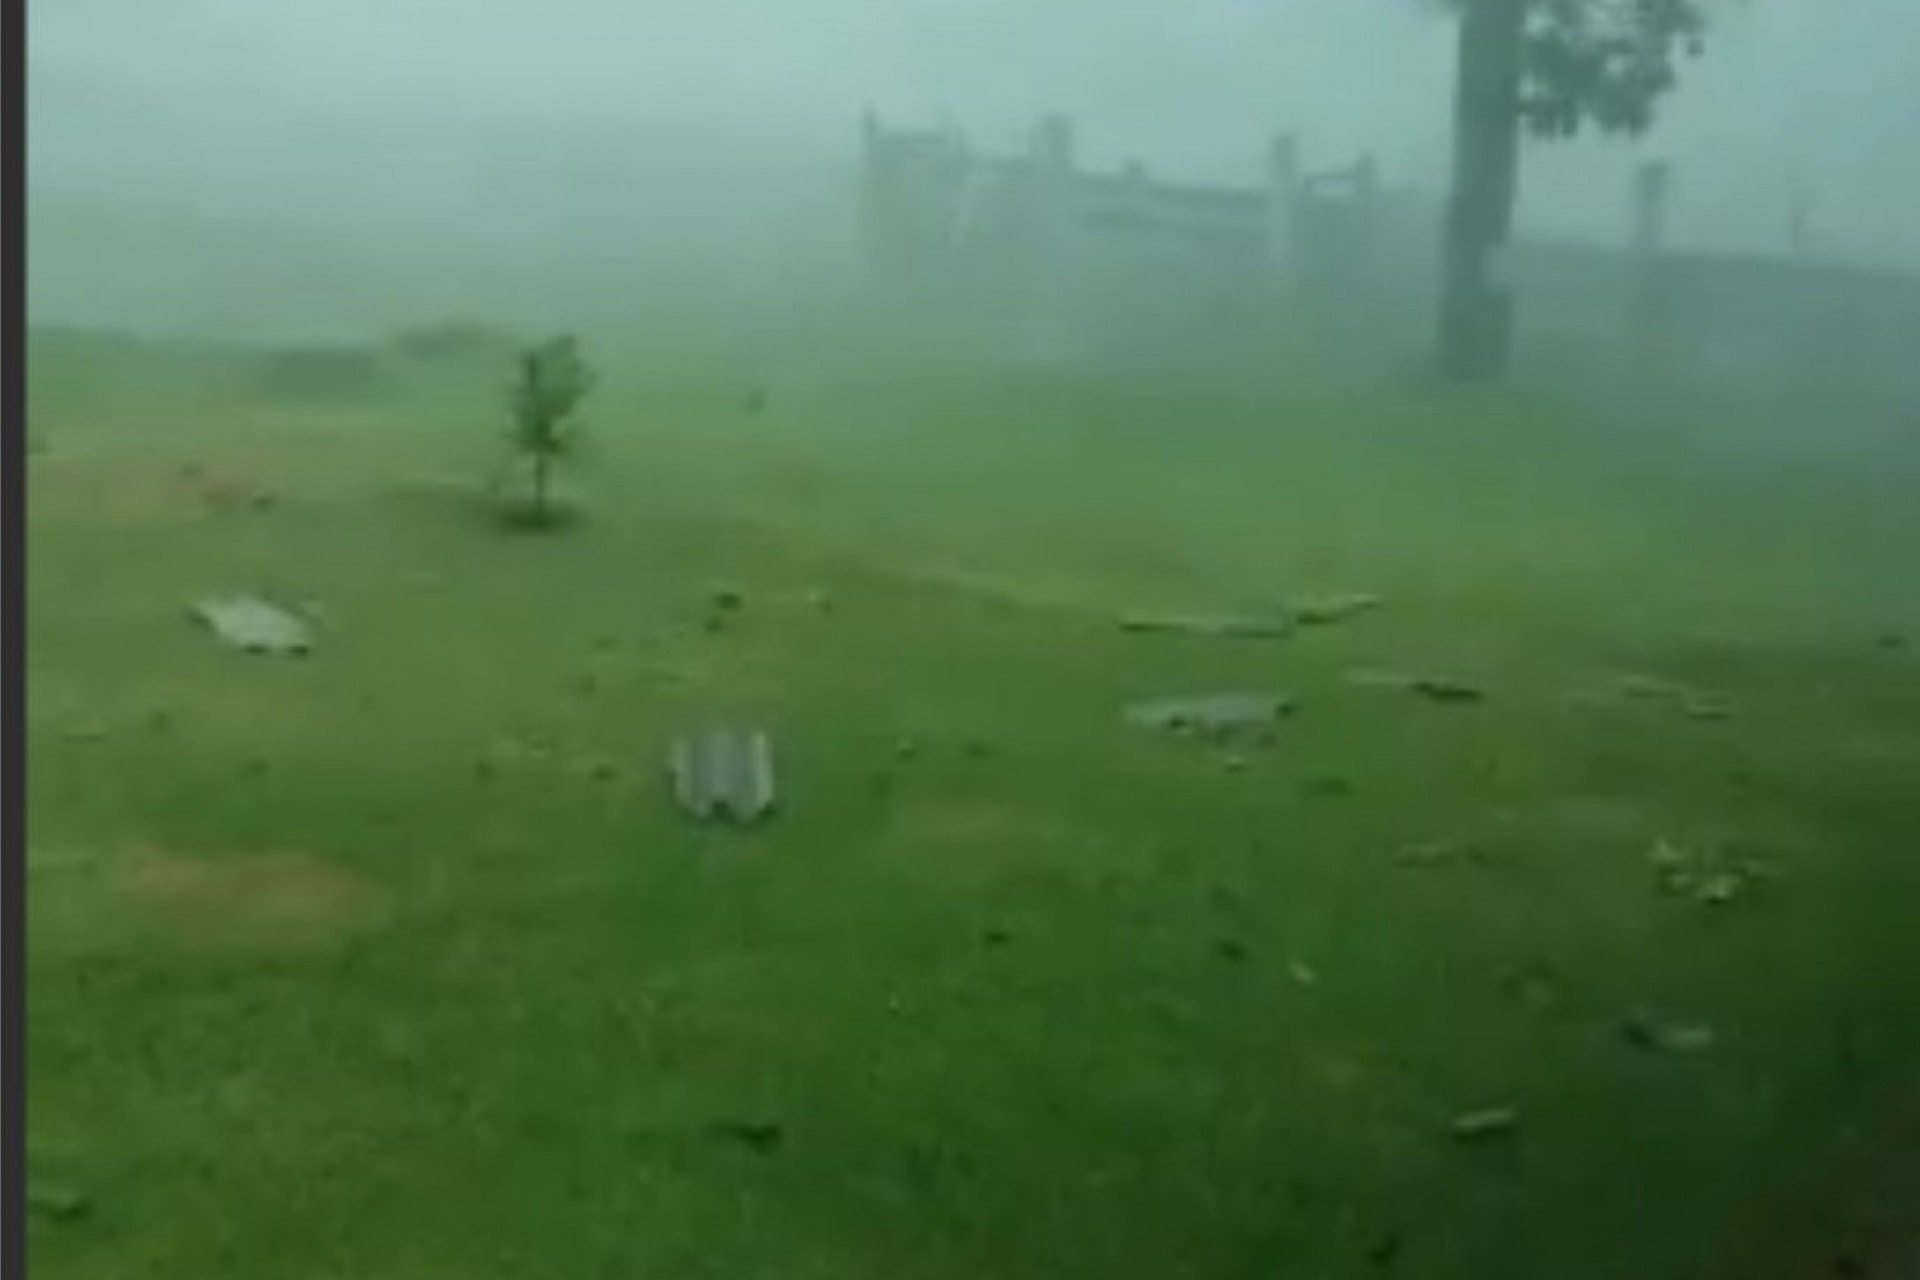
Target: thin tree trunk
541	464
1475	312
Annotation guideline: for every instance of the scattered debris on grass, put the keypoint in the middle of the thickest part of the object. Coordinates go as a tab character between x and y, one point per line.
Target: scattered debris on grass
253	625
724	774
1485	1124
1215	716
763	1137
1706	875
1434	688
1325	610
1646	1030
1225	626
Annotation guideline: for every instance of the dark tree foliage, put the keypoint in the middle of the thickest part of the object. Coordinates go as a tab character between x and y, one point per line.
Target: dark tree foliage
1603	62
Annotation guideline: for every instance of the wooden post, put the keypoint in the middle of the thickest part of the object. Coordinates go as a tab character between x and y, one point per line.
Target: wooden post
1053	144
1049	233
1283	195
879	201
1652	182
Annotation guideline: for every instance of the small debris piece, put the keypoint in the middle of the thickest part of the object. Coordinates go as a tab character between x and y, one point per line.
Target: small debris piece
756	400
1720	887
1303	974
1645	1030
1439	853
997	937
1484	1124
1695	704
724	773
1892	641
976	749
1705	876
60	1203
1318	611
906	749
1330	784
1218	627
1231	949
1535	985
761	1136
1385	1251
1705	707
726	599
1212	715
255	626
1233	763
1446	689
1431	687
820	601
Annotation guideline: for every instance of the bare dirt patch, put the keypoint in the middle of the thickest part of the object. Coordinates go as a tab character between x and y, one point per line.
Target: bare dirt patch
279	902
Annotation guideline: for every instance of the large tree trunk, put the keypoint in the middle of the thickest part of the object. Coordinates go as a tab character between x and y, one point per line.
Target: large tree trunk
1475	311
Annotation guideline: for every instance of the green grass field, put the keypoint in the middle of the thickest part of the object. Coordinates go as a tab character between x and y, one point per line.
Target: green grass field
398	962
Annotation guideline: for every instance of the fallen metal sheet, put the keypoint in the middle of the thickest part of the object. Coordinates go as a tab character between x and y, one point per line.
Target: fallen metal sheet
724	774
253	625
1211	714
1228	626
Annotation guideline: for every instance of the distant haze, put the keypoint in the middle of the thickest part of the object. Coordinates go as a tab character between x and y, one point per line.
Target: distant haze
675	122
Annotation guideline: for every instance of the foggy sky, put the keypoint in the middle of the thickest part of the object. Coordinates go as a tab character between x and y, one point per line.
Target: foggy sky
230	100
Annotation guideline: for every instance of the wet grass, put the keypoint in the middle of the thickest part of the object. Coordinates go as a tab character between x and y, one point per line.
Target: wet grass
396	960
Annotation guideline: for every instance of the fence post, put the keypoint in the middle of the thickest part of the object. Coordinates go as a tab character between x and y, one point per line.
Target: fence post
1652	184
1049	233
1283	195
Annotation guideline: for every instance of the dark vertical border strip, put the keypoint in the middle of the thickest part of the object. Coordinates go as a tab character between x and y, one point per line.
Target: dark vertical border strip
13	523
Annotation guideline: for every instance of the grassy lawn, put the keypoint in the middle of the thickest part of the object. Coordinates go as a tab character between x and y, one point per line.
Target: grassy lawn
398	962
